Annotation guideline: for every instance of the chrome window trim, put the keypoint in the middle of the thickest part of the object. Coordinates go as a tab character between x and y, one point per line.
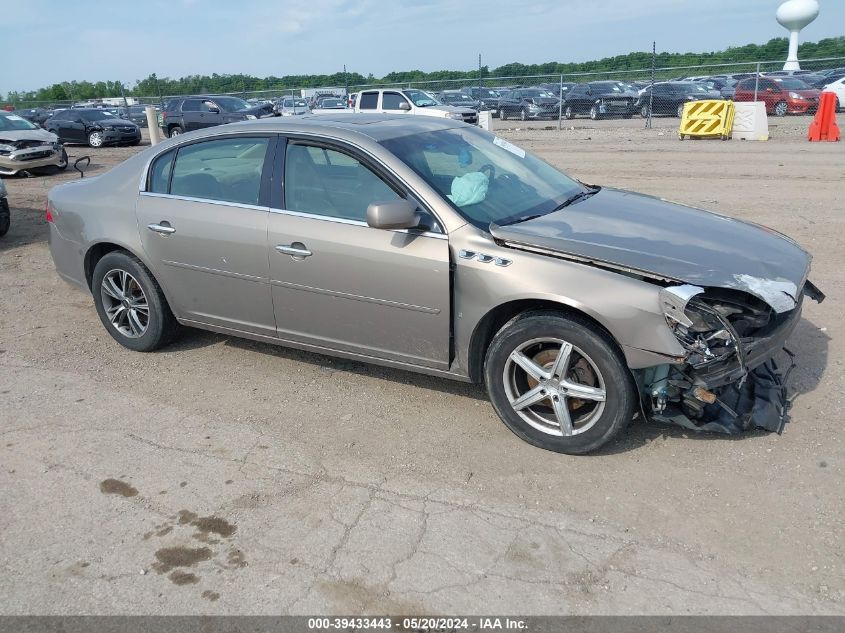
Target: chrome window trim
224	203
328	218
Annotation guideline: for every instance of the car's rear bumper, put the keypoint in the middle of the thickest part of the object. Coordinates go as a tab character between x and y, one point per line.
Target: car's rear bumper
68	257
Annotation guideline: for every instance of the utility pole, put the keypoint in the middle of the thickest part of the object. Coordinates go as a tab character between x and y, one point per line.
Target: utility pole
345	82
651	90
479	75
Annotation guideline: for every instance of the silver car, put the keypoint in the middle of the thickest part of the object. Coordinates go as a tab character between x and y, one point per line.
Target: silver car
25	146
429	245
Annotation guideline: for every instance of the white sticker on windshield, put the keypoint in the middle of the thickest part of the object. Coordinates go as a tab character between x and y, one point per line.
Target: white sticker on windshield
14	117
513	149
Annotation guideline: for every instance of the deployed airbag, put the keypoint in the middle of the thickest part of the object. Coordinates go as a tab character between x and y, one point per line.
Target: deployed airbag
469	189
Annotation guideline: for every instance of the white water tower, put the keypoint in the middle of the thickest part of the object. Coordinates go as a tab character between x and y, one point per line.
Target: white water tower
794	15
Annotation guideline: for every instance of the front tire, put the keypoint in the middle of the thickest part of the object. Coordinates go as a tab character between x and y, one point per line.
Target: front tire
781	108
595	115
559	382
568	113
63	161
680	111
130	303
503	114
523	115
5	217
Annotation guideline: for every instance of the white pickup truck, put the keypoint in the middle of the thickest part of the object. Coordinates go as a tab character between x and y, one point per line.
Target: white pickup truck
410	101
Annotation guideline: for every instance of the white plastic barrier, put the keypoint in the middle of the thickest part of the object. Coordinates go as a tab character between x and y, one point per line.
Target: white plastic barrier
484	119
751	122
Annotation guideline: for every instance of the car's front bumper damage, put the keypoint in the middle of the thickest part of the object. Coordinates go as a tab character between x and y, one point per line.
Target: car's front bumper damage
29	155
733	379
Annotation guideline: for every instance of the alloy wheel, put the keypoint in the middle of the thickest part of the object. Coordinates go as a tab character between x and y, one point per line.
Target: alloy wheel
95	139
554	387
125	303
781	108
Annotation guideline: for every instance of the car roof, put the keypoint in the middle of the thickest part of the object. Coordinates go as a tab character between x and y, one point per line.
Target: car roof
377	127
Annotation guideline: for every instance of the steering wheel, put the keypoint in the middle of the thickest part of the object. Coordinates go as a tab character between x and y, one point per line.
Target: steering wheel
488	169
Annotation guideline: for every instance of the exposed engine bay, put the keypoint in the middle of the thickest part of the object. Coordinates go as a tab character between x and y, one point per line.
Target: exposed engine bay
730	380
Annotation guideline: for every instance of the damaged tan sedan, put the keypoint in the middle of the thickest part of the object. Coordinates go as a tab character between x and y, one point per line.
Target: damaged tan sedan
432	246
25	146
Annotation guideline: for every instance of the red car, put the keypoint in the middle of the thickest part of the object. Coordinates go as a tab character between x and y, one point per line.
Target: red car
782	95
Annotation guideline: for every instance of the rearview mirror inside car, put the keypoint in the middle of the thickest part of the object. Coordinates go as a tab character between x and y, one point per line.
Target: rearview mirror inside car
396	214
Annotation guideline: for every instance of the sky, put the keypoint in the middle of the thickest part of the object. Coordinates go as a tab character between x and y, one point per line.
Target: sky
122	41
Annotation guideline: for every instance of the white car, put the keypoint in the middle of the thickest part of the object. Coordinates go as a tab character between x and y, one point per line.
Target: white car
837	88
413	102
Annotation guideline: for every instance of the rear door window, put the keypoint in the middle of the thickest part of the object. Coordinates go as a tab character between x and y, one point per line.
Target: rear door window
228	170
369	101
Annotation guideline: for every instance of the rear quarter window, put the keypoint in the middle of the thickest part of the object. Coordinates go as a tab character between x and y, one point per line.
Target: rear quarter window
159	179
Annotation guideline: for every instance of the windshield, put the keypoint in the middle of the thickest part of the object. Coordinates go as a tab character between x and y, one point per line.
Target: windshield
231	104
10	122
457	96
610	86
96	115
420	99
538	93
792	84
331	103
487	94
486	179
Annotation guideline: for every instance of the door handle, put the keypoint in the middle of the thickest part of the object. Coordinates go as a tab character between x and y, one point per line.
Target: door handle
296	250
164	228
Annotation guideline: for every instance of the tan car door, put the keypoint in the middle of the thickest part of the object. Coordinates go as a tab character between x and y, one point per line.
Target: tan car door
203	225
340	284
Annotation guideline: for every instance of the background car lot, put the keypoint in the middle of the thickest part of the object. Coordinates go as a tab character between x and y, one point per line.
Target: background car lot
307	457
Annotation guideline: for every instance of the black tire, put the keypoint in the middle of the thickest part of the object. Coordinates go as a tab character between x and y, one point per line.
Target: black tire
5	217
161	325
781	108
595	115
503	114
568	113
176	130
644	112
63	165
523	115
601	353
680	111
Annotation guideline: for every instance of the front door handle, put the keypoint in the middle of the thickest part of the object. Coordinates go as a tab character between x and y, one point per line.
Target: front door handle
163	227
296	249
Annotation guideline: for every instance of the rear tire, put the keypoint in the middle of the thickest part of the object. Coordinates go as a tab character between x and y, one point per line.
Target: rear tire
131	304
176	130
589	392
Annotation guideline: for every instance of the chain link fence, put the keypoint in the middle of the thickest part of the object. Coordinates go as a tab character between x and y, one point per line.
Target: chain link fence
486	93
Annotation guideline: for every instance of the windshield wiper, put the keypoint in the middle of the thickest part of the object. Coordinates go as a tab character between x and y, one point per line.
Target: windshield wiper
581	195
523	218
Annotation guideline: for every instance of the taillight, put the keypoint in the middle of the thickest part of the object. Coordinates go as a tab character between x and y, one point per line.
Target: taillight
49	212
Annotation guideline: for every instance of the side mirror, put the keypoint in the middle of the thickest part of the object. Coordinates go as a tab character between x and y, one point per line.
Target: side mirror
397	214
770	89
405	106
212	107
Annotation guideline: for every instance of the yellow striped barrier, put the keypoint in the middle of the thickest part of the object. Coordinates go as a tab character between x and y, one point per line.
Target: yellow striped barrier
707	119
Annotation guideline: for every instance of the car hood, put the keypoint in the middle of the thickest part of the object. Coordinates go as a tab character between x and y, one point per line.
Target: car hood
114	121
28	135
673	242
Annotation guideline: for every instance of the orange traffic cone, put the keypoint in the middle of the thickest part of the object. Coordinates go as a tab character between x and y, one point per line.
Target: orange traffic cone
823	127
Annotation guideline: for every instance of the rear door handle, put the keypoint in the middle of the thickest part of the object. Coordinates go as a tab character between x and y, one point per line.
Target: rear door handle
164	228
296	250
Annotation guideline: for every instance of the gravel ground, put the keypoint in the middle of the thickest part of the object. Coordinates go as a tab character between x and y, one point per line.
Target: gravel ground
225	476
